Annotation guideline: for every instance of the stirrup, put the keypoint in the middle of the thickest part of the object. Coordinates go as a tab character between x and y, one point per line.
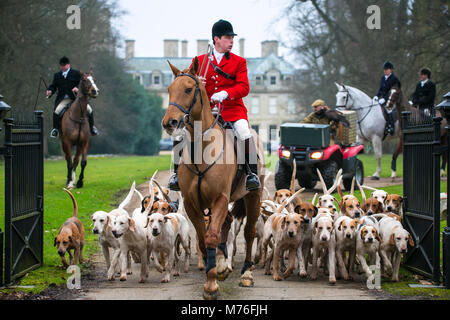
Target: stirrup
54	133
252	182
173	183
94	131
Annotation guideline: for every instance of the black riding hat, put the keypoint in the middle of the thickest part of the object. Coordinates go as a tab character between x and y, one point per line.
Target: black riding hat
221	28
388	65
63	61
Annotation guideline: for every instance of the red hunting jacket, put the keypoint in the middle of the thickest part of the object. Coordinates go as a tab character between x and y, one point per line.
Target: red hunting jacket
233	107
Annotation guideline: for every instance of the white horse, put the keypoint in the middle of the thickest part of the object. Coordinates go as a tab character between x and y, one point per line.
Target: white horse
370	120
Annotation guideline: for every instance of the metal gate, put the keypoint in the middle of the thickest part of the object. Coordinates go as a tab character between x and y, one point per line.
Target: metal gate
421	189
24	195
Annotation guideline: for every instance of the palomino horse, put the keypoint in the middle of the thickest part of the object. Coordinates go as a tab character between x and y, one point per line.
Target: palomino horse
208	184
370	119
398	101
75	129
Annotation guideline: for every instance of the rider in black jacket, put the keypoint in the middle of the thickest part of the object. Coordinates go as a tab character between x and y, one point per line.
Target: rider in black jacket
66	83
425	92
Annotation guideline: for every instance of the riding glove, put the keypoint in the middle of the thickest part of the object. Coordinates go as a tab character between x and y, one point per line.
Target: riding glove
219	96
381	101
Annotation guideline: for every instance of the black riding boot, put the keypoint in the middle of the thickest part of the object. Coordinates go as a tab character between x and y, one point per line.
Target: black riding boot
94	130
173	180
56	126
252	182
390	123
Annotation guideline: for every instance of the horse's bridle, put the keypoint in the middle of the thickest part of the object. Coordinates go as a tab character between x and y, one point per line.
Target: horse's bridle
187	113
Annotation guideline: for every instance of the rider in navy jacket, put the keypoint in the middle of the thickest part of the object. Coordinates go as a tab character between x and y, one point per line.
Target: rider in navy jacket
387	81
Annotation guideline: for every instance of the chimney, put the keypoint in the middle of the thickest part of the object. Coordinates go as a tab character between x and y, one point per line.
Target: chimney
171	48
268	47
129	49
184	44
241	47
202	46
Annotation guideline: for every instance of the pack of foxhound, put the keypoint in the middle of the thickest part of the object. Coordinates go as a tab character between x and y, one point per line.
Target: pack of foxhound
339	238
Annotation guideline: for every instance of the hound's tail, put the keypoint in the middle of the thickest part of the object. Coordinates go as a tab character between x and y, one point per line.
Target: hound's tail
74	202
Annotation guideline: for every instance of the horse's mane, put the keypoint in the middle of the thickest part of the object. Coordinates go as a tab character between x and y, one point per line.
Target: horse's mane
362	93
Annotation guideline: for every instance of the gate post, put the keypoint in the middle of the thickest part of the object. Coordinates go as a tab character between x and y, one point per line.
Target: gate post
444	107
40	198
8	195
436	198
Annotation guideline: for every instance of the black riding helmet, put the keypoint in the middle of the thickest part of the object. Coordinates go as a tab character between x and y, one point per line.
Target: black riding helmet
221	28
388	65
63	61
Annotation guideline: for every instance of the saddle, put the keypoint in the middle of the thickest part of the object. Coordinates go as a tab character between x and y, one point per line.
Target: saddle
67	106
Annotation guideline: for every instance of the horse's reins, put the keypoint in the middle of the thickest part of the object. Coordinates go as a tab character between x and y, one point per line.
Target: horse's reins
187	115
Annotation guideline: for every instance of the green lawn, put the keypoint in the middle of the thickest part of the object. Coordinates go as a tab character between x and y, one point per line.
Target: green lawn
107	180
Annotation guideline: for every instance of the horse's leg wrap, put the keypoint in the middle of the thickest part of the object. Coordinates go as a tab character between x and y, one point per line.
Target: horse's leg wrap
210	259
223	247
247	265
394	164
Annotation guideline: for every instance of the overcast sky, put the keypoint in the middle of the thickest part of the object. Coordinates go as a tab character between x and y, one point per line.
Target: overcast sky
149	22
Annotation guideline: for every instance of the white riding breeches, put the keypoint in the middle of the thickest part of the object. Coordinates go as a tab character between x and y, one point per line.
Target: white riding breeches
242	129
64	102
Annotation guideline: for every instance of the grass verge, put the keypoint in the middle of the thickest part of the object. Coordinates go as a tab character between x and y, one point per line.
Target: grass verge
107	180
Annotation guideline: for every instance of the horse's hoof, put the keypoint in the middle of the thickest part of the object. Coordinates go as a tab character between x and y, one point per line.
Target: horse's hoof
247	279
80	184
374	178
210	295
221	276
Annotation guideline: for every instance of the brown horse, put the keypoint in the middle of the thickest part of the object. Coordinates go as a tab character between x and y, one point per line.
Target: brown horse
75	129
398	100
208	185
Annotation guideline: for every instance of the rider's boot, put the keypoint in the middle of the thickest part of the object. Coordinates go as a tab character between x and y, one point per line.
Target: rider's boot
173	180
94	130
252	181
390	123
56	126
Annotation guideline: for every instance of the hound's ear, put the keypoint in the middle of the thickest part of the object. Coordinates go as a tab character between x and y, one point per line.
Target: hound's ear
108	221
357	221
132	224
340	225
377	236
147	221
275	196
316	210
70	239
297	209
401	199
411	241
283	223
175	71
194	66
392	240
315	228
54	242
166	218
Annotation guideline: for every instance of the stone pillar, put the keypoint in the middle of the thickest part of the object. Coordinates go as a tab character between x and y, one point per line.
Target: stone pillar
184	45
171	48
129	49
241	47
268	47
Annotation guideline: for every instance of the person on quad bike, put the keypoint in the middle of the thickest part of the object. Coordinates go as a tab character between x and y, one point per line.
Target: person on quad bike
318	116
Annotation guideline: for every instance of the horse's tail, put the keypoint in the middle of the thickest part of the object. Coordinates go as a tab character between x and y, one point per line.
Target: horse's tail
74	202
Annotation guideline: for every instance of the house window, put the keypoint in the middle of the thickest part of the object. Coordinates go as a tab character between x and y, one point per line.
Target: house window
272	132
255	105
156	80
273	80
291	105
273	105
258	80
